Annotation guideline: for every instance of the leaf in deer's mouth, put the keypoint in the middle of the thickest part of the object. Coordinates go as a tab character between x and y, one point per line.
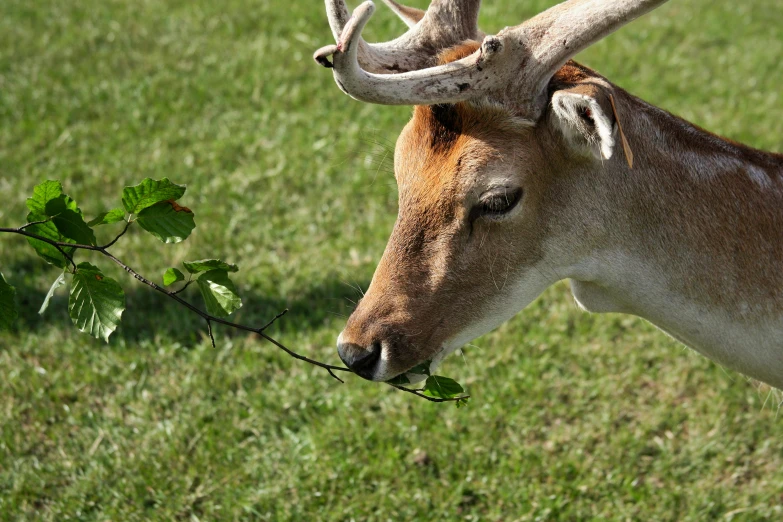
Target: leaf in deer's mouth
421	369
399	380
442	387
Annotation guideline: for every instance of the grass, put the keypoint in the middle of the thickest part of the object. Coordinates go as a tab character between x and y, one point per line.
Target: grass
574	416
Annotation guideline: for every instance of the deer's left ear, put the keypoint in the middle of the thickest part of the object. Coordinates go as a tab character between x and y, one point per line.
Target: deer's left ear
585	117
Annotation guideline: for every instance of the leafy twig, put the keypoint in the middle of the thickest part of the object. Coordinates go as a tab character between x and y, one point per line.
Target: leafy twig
431	399
275	318
110	243
204	315
35	223
153	205
183	288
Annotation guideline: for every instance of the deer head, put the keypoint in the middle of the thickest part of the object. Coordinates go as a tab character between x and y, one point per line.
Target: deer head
503	130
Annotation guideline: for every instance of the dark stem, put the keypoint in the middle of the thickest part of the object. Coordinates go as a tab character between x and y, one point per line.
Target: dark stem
275	318
110	243
56	244
173	295
431	399
204	315
209	331
35	223
184	287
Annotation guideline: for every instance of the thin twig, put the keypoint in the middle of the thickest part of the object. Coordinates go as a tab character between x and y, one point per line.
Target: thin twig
295	355
204	315
333	375
431	399
209	331
275	318
184	287
110	243
66	255
56	244
173	295
35	223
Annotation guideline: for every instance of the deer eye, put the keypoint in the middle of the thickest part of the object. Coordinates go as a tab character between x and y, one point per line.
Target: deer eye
497	202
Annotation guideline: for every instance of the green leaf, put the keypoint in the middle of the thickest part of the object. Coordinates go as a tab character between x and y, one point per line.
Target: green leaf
167	221
96	302
43	194
421	369
69	222
48	253
172	275
48	200
148	192
105	218
8	312
219	293
60	281
399	380
461	402
72	226
59	204
442	387
194	267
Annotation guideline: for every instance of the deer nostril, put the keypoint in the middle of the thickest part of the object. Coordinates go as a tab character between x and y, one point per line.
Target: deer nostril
359	359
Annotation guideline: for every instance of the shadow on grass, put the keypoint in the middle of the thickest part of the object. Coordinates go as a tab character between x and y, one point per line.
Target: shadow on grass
151	315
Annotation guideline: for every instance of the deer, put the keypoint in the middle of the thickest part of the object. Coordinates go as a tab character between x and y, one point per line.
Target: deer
520	168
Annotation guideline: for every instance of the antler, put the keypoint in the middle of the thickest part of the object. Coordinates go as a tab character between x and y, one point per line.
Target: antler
423	86
521	59
444	24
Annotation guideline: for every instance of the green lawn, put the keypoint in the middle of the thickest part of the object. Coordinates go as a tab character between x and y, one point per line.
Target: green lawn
573	416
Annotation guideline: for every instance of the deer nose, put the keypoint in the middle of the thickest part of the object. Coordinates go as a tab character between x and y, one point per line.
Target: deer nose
360	359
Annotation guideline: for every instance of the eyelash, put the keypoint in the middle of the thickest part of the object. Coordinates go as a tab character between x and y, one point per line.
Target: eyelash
499	203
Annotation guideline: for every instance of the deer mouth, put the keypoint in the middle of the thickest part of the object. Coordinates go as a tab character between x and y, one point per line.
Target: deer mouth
421	371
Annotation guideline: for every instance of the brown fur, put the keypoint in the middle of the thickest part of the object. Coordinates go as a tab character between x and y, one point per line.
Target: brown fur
718	235
730	225
458	52
438	155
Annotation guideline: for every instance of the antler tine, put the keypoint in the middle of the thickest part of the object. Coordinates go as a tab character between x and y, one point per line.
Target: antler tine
445	23
559	33
458	19
453	82
338	15
452	21
515	66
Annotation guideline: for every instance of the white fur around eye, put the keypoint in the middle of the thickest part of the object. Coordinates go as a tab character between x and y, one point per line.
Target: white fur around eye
567	107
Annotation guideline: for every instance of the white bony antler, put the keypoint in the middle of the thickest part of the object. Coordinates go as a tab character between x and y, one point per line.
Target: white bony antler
444	24
521	59
452	82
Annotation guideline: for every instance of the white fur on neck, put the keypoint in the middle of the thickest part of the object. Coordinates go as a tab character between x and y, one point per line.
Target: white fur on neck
620	282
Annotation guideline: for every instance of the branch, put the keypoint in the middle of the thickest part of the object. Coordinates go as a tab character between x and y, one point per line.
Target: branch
183	288
56	244
35	223
431	399
173	295
208	318
110	243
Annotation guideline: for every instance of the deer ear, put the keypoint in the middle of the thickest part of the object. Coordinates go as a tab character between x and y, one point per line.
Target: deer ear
409	15
585	117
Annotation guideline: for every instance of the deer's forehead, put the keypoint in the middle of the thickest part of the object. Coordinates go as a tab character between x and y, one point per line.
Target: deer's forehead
443	150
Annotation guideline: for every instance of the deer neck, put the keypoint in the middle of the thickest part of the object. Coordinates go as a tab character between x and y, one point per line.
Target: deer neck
691	239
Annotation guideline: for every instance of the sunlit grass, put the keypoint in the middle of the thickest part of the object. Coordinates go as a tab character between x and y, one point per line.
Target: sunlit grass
574	416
